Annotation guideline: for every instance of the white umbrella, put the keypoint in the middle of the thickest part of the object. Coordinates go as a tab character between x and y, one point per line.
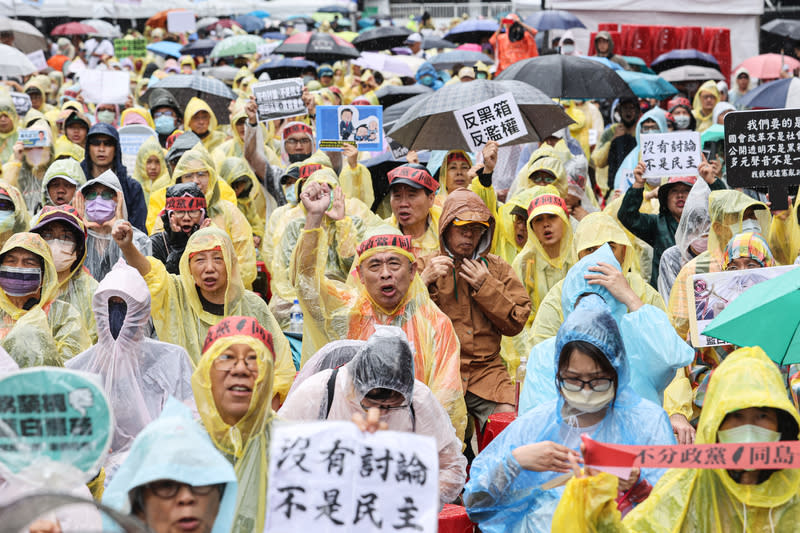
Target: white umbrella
14	63
104	29
26	37
690	73
207	21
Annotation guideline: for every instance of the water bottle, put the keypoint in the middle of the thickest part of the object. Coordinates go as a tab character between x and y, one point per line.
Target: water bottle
520	379
296	318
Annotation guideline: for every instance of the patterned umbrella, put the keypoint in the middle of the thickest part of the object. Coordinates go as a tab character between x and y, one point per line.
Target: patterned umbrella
447	60
26	37
381	38
431	123
319	47
184	86
73	28
238	45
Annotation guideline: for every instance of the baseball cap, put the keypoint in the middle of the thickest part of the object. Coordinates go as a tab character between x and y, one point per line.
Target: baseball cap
414	38
413	175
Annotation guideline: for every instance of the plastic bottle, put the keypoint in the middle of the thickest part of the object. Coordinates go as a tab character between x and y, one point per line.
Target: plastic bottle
520	379
296	318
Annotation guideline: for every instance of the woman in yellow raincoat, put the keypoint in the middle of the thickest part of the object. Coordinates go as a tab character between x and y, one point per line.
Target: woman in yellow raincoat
543	168
37	329
151	169
233	147
746	402
14	216
8	126
706	97
207	290
196	165
200	118
249	195
510	234
136	115
454	173
238	354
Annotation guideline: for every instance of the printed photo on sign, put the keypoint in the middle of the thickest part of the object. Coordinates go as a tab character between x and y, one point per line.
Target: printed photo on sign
356	124
34	138
714	291
279	99
496	119
22	103
670	154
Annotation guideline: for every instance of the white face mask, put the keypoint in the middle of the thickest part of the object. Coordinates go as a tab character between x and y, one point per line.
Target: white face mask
62	259
36	156
567	48
682	121
747	433
586	400
751	225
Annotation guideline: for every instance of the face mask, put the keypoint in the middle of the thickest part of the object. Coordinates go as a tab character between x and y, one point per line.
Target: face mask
747	433
36	156
567	48
586	400
20	281
6	220
106	116
62	259
700	245
426	80
307	79
165	125
116	317
682	121
100	210
751	225
290	192
296	158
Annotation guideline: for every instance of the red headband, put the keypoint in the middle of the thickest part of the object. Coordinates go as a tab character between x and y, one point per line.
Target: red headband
239	325
400	241
417	175
547	199
307	170
455	156
297	128
185	203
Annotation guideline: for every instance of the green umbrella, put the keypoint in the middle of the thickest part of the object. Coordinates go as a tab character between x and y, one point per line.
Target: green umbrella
765	315
238	45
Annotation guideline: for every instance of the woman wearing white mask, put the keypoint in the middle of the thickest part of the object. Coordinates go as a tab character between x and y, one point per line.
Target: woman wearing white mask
505	491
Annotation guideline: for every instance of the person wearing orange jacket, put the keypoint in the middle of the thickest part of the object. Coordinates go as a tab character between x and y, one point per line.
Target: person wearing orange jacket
516	44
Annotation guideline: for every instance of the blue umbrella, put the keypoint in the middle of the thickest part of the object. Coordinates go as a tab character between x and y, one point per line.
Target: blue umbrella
250	23
447	60
681	57
605	61
647	85
637	64
471	31
773	95
166	48
274	35
259	13
553	20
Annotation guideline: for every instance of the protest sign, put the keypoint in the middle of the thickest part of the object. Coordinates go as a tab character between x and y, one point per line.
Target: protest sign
330	476
34	138
670	154
38	60
762	149
76	66
131	139
55	413
130	47
361	125
279	99
715	291
181	22
497	119
105	86
398	150
22	103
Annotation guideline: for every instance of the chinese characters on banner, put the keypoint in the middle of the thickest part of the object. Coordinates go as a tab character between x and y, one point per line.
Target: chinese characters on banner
130	47
762	149
279	99
497	119
131	138
670	154
329	476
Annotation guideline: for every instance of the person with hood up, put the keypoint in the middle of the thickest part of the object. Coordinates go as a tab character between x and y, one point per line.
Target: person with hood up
592	372
412	194
103	153
746	403
37	329
8	126
249	194
567	44
654	121
386	291
101	202
27	168
183	215
659	230
136	115
511	233
428	76
513	41
151	170
681	110
456	171
233	384
207	290
604	47
201	120
14	217
197	166
616	141
481	295
138	374
720	110
233	147
580	199
174	479
544	167
376	388
741	87
706	97
167	114
61	182
37	88
64	231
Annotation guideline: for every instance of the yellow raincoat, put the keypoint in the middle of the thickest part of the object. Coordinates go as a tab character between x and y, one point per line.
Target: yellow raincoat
487	194
784	235
233	147
704	121
214	138
505	240
334	311
51	331
42	83
594	230
63	148
223	213
178	313
544	158
21	220
245	444
148	149
357	183
428	242
689	500
253	205
8	140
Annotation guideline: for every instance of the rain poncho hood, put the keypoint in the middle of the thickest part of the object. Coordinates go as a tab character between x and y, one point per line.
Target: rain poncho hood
63	147
105	129
749	245
194	106
20	221
544	158
426	69
384	362
7	140
726	209
697	104
70	216
624	177
136	115
150	148
607	36
33	243
110	180
464	204
598	228
62	168
442	175
197	160
505	240
174	447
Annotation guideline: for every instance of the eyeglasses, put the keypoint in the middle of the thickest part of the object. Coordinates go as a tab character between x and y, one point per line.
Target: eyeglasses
168	488
202	175
651	130
105	195
471	230
576	385
294	142
226	362
96	141
544	178
382	407
194	213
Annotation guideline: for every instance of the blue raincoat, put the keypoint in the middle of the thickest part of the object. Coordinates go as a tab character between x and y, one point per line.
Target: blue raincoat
501	496
425	69
653	348
174	447
624	178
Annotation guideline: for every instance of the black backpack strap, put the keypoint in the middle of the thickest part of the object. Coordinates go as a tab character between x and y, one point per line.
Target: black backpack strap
331	386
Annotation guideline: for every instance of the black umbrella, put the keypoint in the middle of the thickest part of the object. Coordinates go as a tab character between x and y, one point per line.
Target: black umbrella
389	95
184	86
472	31
300	19
200	47
394	112
284	68
381	38
784	27
435	42
560	76
431	123
681	58
447	60
319	47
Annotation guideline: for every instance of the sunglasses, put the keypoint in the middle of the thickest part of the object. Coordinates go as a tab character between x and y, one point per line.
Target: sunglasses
94	141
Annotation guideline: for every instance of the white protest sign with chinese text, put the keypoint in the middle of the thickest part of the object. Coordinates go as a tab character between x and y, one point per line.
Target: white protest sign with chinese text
279	99
131	138
497	119
38	60
181	22
670	154
330	476
105	86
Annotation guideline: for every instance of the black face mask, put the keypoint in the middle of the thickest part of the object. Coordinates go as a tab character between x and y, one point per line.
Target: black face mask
516	32
296	158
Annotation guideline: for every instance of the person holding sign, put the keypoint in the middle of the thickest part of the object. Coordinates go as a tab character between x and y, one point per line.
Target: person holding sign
27	168
508	486
377	390
8	126
746	403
